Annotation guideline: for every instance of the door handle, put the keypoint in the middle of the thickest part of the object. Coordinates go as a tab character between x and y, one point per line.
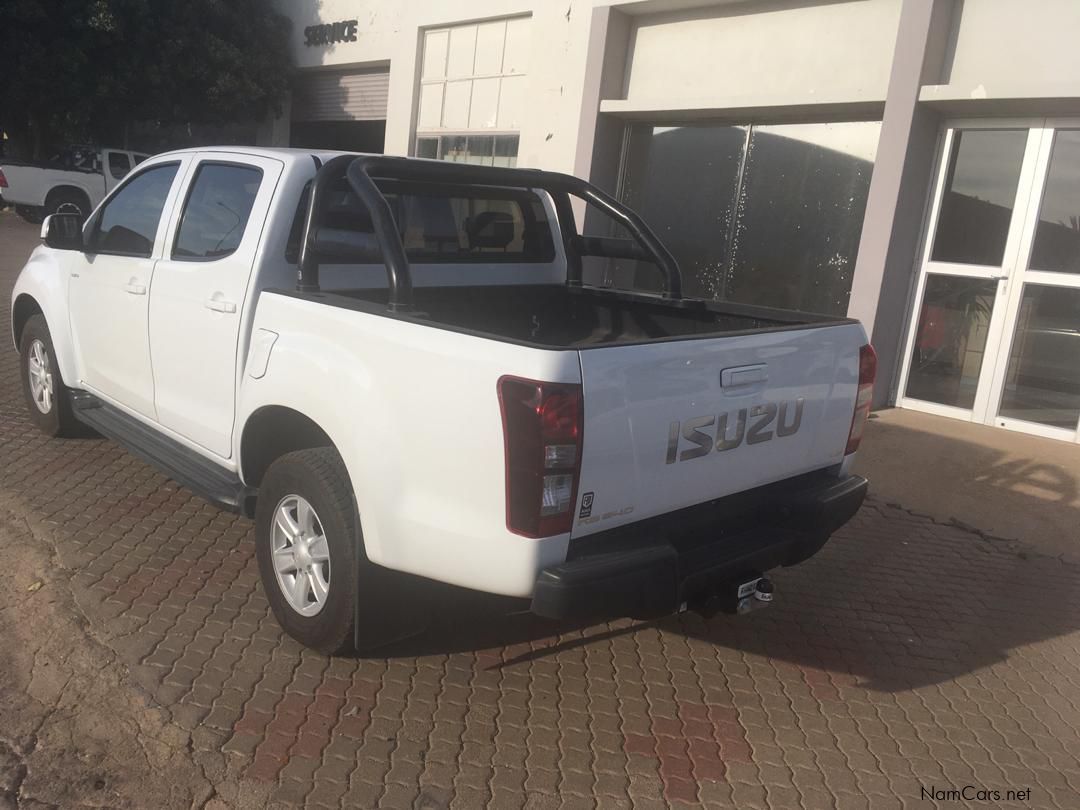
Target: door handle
220	306
135	289
745	375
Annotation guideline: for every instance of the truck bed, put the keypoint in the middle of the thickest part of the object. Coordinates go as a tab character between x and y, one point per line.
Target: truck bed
557	316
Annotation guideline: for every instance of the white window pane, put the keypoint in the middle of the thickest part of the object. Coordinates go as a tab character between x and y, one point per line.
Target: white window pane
511	102
489	48
485	104
518	50
462	51
431	97
435	44
456	105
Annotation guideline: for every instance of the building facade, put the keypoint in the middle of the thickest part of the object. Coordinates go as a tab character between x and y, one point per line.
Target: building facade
912	163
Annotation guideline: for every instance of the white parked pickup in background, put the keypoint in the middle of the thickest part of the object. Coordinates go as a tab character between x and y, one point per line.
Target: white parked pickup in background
75	181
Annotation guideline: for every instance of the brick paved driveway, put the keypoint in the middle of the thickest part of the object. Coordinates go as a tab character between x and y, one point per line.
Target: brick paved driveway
907	655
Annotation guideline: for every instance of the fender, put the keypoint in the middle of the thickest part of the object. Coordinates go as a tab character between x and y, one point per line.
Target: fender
44	278
94	193
346	413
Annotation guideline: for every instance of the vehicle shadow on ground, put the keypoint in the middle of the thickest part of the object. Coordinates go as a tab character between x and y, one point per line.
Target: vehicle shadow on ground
894	601
911	616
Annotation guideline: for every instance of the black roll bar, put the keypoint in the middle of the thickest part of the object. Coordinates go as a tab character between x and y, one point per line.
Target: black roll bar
361	171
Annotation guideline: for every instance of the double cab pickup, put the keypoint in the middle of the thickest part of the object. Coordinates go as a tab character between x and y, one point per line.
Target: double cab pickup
399	364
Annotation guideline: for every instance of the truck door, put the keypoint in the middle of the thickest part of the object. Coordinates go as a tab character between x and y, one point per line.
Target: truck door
109	285
197	300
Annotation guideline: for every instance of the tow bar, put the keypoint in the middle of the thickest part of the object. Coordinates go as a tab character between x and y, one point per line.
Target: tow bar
739	598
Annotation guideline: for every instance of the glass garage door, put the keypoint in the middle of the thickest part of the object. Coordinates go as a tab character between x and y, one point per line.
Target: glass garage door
996	332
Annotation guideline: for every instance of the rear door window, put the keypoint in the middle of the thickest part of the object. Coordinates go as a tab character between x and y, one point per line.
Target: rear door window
216	212
119	164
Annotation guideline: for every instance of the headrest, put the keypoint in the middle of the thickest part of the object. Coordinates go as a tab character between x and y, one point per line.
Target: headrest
490	229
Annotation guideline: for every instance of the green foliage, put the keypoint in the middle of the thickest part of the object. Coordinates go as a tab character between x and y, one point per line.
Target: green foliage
86	69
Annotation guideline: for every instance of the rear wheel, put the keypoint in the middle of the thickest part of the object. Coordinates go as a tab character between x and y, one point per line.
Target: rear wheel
47	398
67	201
305	534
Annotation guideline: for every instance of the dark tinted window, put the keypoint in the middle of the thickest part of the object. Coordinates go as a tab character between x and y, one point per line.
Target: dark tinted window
216	211
446	225
1044	363
1057	236
119	164
759	214
129	221
980	189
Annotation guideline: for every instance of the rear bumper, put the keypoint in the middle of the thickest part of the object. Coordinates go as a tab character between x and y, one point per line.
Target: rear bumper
651	568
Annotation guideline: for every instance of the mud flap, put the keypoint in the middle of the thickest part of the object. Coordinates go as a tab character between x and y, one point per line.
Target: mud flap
390	606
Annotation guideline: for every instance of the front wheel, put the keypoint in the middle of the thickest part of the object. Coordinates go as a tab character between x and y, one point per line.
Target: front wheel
47	398
306	545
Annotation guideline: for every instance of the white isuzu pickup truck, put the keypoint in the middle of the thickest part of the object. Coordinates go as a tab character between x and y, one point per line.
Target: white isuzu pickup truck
393	363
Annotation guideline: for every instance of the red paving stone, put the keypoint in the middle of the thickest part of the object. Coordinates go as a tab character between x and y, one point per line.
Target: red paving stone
908	654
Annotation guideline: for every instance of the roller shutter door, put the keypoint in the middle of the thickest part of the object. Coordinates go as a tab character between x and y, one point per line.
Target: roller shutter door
341	96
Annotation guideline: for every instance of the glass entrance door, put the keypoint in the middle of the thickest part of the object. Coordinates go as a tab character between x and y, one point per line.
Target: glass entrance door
1037	377
996	335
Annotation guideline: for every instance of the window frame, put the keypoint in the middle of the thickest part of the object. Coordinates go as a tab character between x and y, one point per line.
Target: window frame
182	213
513	25
438	137
94	223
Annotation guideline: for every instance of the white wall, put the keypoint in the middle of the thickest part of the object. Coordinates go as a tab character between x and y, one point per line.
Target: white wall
1010	47
786	52
391	31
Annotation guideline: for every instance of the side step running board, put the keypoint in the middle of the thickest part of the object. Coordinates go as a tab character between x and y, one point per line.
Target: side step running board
219	486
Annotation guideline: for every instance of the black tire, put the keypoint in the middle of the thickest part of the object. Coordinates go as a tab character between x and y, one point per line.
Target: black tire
57	420
67	201
319	476
30	213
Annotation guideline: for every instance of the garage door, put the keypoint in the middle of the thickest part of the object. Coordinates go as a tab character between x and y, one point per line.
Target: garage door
341	96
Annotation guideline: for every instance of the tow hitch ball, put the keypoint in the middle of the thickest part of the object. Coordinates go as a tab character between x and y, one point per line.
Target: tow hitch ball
750	594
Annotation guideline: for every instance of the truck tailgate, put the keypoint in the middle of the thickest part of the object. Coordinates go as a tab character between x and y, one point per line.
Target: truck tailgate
673	424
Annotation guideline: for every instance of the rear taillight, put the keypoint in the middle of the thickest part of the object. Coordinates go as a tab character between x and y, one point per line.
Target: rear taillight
542	427
864	398
3	180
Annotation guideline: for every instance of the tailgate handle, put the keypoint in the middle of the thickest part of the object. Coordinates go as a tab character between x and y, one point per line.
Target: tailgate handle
744	375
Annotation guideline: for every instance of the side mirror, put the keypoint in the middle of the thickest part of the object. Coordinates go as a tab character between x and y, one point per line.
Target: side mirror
63	231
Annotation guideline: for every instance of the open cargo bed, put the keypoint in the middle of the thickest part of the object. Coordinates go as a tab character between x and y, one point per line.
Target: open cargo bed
557	316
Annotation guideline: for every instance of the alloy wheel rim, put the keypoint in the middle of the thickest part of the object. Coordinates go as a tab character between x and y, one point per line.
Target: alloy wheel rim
69	208
41	378
300	555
